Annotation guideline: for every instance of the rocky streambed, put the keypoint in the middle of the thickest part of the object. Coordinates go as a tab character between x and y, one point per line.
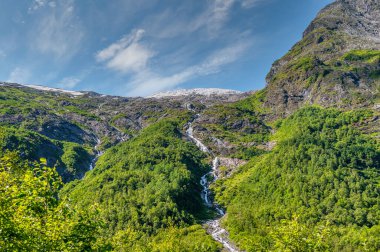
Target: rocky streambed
213	226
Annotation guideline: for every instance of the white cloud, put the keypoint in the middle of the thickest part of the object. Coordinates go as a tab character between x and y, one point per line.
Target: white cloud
58	32
213	17
219	13
126	55
249	3
19	75
133	57
69	82
2	54
38	4
146	83
210	19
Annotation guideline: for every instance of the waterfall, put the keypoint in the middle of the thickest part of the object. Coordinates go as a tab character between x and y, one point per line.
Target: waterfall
216	231
97	154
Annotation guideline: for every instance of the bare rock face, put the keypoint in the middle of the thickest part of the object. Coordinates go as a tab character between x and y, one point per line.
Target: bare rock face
337	63
357	18
227	166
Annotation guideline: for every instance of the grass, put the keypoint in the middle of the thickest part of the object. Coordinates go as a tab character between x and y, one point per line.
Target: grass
367	56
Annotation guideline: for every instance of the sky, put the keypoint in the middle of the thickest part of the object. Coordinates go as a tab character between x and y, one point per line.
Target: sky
138	48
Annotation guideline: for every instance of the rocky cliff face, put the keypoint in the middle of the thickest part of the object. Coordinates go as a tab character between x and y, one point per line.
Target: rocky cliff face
337	62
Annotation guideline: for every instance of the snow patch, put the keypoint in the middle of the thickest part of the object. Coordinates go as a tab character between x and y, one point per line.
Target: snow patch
43	88
195	91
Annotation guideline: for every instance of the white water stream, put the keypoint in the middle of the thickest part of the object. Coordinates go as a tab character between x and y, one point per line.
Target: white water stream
213	226
97	154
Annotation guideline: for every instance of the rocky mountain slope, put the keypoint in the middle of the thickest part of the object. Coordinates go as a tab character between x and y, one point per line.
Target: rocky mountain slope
88	119
337	62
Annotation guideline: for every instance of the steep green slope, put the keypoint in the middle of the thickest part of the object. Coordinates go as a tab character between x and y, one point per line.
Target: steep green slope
71	159
323	170
235	130
147	185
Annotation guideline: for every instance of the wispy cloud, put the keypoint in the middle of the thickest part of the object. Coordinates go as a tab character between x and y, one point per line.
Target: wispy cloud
19	75
250	3
38	4
59	32
219	13
127	54
2	54
213	17
69	82
137	54
147	82
209	20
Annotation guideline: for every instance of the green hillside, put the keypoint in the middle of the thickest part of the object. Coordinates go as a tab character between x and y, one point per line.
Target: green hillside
323	172
292	167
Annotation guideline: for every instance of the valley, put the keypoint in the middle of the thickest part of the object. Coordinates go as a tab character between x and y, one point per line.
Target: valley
292	167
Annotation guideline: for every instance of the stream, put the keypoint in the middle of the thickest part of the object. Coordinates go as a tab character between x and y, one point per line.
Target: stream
213	226
98	153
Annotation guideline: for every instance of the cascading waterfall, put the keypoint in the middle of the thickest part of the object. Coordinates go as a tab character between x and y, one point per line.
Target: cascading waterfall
198	143
97	154
216	231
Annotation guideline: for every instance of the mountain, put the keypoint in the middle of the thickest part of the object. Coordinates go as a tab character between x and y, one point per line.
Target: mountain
77	125
335	64
292	167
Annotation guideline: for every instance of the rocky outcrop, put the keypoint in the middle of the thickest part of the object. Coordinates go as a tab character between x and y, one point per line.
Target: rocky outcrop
227	166
337	63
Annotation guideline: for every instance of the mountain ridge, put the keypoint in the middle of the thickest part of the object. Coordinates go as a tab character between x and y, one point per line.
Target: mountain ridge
195	91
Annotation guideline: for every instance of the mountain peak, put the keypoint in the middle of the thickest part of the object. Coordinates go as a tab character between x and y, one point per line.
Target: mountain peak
335	64
358	18
58	90
44	88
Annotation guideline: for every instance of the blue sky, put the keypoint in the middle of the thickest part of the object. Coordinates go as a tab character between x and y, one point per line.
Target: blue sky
130	48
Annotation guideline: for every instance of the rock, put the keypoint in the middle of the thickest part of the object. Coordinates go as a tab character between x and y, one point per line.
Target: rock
322	68
227	166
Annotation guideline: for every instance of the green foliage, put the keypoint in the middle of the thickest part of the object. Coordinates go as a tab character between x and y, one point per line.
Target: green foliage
192	238
75	158
31	216
375	74
292	236
368	56
322	169
146	186
71	159
237	124
254	103
305	64
188	239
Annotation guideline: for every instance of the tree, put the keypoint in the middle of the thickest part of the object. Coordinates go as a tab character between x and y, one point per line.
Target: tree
33	218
